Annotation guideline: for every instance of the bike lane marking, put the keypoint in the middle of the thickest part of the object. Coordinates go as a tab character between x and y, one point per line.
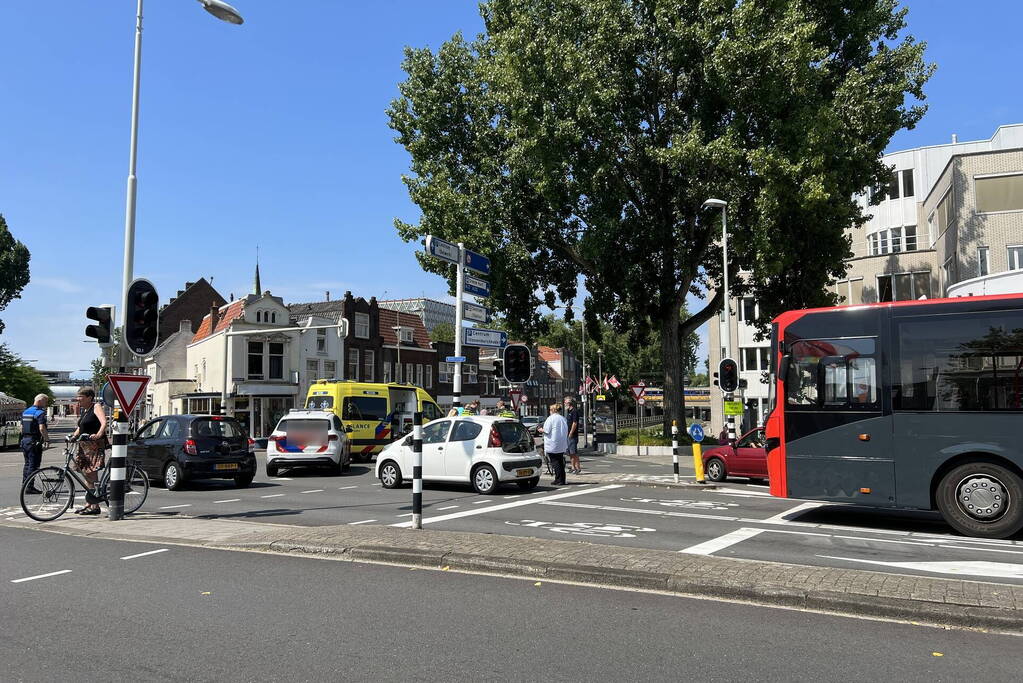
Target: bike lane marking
151	552
41	576
505	506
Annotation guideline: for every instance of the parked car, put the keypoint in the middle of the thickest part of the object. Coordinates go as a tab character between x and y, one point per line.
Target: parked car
748	458
309	438
482	450
532	423
179	448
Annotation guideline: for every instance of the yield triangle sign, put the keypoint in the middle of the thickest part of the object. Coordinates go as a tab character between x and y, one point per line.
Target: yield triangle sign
637	390
515	398
129	389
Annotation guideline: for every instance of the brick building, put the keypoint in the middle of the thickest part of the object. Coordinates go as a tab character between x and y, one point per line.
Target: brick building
191	303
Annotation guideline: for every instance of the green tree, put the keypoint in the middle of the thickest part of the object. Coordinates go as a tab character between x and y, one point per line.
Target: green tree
443	332
14	273
20	380
581	137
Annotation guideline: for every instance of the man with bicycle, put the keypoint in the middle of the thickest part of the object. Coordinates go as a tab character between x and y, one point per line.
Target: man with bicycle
34	436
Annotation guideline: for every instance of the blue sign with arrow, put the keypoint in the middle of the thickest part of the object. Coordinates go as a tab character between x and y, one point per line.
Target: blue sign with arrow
455	359
696	432
477	262
475	286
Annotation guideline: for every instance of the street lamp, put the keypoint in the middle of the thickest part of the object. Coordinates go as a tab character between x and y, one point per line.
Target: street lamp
723	205
221	10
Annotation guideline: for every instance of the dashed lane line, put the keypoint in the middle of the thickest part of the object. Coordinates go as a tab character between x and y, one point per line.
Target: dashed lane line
722	542
171	507
481	502
447	507
151	552
365	521
343	488
228	500
41	576
313	491
273	495
407	514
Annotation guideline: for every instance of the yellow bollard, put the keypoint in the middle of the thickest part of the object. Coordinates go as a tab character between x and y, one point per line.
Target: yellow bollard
698	462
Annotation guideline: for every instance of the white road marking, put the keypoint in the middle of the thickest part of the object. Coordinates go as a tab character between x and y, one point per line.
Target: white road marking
171	507
151	552
228	500
41	576
510	497
280	479
313	491
480	502
377	484
505	506
986	550
721	542
1001	570
365	521
447	507
790	513
273	495
407	514
741	492
342	488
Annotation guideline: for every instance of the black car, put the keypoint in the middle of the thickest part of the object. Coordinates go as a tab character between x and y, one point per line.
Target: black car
177	448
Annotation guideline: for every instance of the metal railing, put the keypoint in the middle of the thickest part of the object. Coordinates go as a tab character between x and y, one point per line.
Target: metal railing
645	421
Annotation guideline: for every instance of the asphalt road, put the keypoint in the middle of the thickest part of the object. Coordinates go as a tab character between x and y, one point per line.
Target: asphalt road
138	611
740	520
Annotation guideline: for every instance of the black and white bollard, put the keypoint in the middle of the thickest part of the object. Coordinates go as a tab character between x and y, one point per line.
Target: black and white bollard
118	457
730	421
417	471
674	448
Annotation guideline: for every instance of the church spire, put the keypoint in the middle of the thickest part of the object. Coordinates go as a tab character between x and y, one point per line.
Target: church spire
257	289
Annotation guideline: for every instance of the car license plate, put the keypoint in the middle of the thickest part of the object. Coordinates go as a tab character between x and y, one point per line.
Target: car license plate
523	473
226	466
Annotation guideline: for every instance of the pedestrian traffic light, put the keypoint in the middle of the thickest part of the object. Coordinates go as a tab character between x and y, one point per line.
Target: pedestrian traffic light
104	317
141	317
517	367
728	375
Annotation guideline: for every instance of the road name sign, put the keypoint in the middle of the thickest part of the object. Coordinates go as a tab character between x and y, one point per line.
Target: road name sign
477	336
475	286
733	407
475	313
696	432
455	359
441	249
477	262
129	389
637	390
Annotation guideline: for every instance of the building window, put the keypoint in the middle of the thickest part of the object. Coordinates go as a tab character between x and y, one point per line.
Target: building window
747	309
368	365
983	261
429	377
470	371
273	317
321	341
949	270
765	358
445	373
893	186
276	360
387	371
999	193
410	371
419	375
353	364
330	369
362	325
910	235
406	335
255	360
312	369
748	359
1016	258
904	286
907	182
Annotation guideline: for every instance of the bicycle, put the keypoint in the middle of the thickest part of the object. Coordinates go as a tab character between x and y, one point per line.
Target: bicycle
50	491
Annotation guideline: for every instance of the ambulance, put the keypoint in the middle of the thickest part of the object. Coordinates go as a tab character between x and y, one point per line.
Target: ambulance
377	413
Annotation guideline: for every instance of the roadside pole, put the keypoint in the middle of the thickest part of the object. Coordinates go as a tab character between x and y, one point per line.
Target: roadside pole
118	456
674	448
639	426
417	470
696	434
456	389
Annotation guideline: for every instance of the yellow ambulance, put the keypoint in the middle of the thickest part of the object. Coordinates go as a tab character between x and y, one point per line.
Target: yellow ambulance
377	413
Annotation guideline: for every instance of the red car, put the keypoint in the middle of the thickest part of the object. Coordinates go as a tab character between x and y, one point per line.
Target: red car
748	458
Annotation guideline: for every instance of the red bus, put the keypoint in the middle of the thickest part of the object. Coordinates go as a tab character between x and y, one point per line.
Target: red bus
912	405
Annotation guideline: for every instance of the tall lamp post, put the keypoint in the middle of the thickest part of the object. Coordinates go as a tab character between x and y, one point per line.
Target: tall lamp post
224	12
723	205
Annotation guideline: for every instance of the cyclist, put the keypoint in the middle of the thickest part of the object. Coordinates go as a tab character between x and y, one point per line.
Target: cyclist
92	425
34	437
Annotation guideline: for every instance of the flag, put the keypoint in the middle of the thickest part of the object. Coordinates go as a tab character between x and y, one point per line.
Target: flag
586	387
614	382
605	384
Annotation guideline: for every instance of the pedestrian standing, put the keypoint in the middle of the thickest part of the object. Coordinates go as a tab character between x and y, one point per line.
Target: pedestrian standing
92	427
555	442
34	437
572	418
502	409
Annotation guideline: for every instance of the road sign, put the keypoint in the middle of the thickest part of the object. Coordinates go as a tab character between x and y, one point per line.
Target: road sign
441	249
106	394
455	359
515	395
641	401
129	389
696	432
475	313
477	262
477	336
601	397
475	286
637	390
733	407
524	399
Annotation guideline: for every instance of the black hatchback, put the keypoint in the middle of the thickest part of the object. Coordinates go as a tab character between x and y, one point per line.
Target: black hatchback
177	448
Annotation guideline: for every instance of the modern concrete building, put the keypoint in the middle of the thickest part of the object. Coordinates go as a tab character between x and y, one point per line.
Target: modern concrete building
430	311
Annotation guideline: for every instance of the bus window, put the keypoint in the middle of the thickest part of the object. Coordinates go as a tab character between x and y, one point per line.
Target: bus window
832	373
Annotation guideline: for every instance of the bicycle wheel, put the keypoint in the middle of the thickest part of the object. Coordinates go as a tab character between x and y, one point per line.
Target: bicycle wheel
47	494
136	488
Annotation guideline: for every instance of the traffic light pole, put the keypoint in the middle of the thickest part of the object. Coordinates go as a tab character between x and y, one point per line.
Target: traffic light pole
118	457
456	388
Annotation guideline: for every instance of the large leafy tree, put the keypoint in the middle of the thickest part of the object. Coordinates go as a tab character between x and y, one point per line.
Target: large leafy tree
20	380
576	141
14	273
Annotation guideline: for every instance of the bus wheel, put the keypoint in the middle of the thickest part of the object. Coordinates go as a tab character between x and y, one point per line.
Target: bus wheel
982	499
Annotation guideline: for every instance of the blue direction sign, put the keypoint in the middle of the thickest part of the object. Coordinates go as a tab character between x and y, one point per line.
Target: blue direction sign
477	336
455	359
696	432
477	262
441	249
475	286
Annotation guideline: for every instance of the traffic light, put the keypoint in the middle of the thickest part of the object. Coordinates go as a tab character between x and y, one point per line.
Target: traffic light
517	363
499	367
142	317
728	375
104	317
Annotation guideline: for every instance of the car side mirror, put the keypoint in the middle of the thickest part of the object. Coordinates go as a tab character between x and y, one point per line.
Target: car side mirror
407	441
783	368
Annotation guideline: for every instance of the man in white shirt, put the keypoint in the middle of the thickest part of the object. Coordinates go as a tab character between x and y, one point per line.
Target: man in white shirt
555	442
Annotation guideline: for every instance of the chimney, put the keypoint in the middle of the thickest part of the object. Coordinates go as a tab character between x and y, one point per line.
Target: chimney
328	295
185	326
955	138
232	296
213	318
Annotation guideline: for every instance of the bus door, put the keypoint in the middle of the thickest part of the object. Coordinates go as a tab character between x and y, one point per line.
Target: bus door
403	407
838	441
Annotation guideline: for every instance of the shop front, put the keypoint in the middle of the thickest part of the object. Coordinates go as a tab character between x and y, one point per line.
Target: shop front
258	407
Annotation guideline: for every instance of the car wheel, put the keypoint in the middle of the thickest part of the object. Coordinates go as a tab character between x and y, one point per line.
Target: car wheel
173	477
390	475
271	470
528	484
982	499
484	480
716	469
243	480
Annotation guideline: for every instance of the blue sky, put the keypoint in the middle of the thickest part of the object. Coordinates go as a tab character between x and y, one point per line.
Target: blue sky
274	133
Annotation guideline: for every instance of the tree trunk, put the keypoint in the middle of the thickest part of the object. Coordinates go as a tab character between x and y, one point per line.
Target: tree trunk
671	356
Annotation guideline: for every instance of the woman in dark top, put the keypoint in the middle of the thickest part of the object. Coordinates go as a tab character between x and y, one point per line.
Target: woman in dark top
92	423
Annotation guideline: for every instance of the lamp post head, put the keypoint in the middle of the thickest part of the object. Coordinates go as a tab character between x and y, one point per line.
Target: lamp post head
716	203
223	11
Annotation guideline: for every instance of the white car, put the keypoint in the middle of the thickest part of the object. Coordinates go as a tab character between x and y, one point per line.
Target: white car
309	438
484	451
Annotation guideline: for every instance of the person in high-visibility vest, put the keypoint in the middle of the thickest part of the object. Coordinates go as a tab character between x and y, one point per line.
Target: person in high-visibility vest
502	410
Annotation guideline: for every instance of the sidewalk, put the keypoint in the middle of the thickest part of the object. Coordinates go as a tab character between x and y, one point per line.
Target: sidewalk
947	602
